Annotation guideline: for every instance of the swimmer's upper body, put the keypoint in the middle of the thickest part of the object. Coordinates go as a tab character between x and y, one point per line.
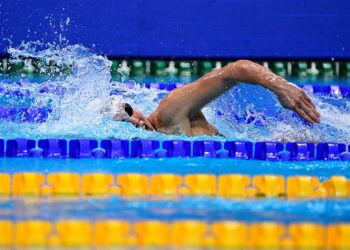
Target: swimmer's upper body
180	111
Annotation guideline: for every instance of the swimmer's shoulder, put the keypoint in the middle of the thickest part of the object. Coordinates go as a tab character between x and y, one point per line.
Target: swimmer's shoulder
159	119
169	112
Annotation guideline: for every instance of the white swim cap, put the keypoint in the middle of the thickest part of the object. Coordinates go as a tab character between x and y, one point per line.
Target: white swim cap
117	107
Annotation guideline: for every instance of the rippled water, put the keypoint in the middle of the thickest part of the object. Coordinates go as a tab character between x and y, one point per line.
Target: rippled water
81	110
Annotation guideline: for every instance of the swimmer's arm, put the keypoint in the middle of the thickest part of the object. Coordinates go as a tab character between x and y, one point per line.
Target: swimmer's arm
188	100
290	96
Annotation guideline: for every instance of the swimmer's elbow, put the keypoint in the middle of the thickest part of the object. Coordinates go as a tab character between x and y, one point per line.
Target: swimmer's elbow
239	67
248	72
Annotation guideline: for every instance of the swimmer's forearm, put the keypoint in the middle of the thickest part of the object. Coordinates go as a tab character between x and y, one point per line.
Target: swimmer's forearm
253	73
290	96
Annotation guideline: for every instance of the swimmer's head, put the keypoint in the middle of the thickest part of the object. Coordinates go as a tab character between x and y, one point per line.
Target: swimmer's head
125	112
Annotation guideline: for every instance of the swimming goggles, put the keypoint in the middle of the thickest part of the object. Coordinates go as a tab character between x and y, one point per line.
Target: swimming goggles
128	109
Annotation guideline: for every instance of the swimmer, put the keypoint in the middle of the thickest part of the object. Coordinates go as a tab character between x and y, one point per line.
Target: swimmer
180	111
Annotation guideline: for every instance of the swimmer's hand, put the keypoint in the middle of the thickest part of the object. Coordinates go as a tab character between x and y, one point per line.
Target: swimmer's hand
140	120
294	98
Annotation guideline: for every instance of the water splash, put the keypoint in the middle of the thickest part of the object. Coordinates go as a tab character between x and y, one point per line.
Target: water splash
276	123
81	100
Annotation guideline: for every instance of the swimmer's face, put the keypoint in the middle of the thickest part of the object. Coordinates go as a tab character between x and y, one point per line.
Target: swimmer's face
140	120
135	117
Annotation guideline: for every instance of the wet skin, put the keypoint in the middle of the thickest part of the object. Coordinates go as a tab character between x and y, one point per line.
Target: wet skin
180	111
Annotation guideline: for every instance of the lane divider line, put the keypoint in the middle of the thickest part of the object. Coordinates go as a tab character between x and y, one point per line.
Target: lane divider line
171	185
177	233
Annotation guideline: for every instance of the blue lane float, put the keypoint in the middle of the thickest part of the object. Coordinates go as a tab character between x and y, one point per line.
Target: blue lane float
53	148
268	151
332	151
332	90
20	147
345	91
118	148
205	148
177	148
83	148
115	148
144	148
239	149
300	151
2	148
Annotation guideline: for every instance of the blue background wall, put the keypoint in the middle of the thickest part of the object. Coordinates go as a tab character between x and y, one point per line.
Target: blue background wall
185	28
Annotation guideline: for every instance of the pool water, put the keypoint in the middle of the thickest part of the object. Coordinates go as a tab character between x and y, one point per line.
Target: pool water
80	103
78	112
